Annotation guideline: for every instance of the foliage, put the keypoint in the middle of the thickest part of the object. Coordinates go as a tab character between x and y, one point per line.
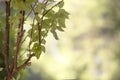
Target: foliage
45	18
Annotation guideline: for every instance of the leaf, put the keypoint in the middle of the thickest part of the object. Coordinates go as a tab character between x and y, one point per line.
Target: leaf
14	20
37	49
39	7
61	22
62	14
50	14
35	38
13	78
60	28
18	5
43	33
38	54
37	18
43	41
46	23
43	48
29	32
18	77
61	4
1	68
55	35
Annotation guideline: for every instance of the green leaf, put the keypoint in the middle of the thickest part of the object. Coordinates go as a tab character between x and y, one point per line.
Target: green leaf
60	28
18	5
29	32
38	53
37	49
43	41
43	48
18	77
50	14
46	23
39	7
37	18
13	78
62	14
43	33
61	22
55	35
35	38
61	4
14	20
1	68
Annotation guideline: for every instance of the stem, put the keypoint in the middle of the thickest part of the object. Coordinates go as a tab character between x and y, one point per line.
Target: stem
26	62
19	39
6	40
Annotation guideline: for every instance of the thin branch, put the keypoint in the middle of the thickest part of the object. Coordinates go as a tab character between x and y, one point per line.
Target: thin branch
24	39
52	8
26	62
30	10
31	34
19	39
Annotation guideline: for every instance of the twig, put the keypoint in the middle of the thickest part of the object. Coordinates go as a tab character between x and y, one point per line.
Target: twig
19	39
30	10
52	8
26	62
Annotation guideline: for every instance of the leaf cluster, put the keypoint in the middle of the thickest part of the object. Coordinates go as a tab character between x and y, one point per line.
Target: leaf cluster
46	16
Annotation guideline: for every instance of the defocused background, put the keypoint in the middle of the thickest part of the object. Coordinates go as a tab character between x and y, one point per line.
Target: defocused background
89	49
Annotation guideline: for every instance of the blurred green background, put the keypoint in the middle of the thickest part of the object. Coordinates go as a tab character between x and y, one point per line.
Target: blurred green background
89	49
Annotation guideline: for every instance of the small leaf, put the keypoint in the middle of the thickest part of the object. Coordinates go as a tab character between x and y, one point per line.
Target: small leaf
43	48
61	4
43	33
37	18
62	14
34	38
50	14
60	28
18	77
46	23
38	54
18	5
13	78
37	49
55	35
61	22
39	7
43	41
1	68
